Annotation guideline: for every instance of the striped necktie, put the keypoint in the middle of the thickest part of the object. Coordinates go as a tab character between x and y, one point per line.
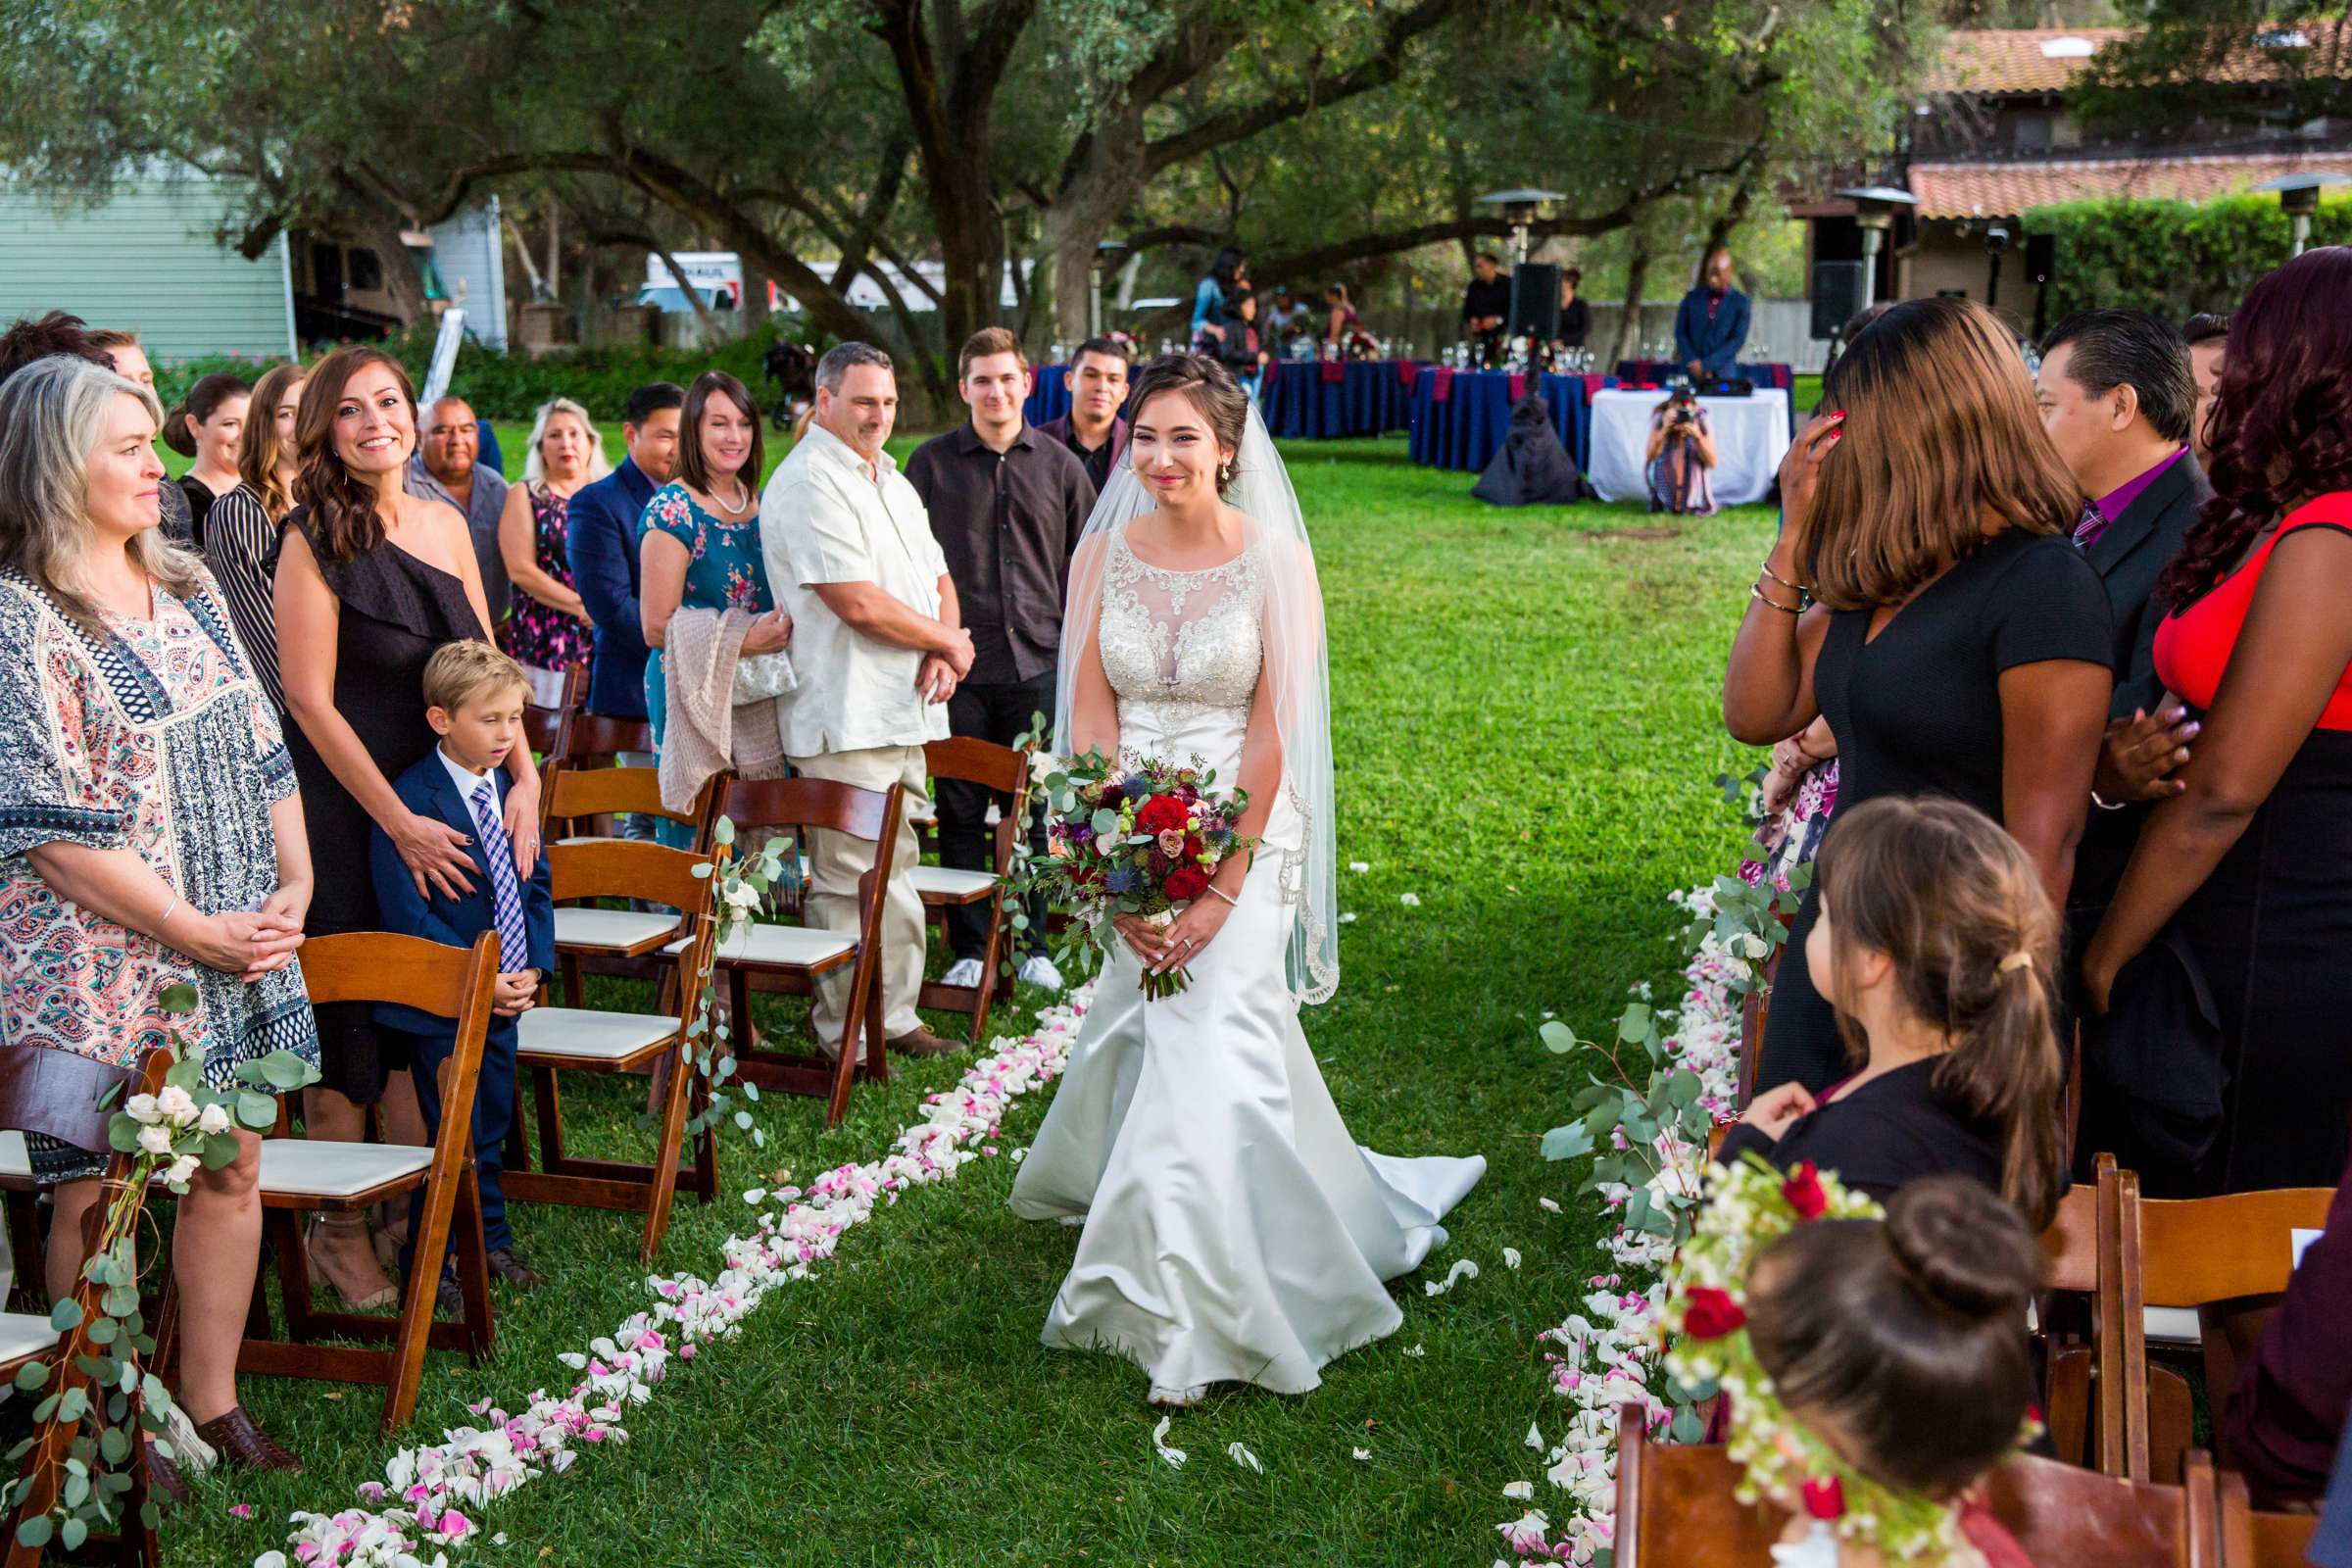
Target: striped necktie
506	894
2090	525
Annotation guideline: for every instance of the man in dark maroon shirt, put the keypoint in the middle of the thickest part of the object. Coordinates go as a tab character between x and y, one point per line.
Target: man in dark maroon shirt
1092	429
2283	1420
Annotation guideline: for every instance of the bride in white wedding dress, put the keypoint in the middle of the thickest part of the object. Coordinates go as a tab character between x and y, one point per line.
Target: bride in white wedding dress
1233	1232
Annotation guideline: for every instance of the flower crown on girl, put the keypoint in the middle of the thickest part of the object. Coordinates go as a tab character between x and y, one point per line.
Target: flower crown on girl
1751	1206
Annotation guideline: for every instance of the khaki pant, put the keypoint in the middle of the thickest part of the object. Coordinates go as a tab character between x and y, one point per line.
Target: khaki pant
836	860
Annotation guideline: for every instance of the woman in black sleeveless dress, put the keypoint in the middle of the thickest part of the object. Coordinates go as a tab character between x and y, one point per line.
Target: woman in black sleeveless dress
1959	647
370	583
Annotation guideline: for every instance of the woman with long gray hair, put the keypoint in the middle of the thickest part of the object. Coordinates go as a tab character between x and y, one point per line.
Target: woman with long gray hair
150	833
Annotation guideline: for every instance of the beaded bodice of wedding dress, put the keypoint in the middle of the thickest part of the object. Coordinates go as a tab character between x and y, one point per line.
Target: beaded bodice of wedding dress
1182	651
1234	1231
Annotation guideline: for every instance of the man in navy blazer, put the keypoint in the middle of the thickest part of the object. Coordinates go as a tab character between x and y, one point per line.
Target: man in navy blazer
1710	326
474	697
601	546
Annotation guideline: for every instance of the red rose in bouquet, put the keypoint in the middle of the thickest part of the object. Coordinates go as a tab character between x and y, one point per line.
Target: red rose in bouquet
1162	813
1712	1313
1185	883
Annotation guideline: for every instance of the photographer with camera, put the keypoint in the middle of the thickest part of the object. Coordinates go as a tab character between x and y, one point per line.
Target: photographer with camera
1682	450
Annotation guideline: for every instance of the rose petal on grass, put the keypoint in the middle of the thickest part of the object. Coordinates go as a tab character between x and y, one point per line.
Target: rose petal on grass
1548	1204
1520	1491
1510	1257
1535	1437
1360	868
1411	901
1364	1454
1414	1349
1463	1269
1159	1445
1242	1456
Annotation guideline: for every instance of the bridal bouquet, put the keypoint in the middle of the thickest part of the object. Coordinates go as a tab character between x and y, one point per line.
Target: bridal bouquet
1140	839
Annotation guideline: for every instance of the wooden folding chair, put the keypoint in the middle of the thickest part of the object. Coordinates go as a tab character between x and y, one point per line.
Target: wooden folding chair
300	1174
553	1039
1755	1011
2082	1391
1004	770
57	1092
2223	1258
2261	1540
547	730
769	956
606	941
1676	1510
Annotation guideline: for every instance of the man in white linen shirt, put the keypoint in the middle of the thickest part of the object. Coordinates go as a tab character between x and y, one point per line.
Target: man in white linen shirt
879	645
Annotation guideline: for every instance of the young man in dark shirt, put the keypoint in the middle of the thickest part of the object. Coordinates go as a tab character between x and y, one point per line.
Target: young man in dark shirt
1093	429
1007	505
1487	306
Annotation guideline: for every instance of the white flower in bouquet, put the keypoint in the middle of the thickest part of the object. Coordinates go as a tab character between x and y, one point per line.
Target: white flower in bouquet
742	898
178	1105
141	1110
182	1170
155	1140
212	1120
1040	765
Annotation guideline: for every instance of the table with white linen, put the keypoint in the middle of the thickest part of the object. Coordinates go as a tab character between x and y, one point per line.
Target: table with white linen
1752	435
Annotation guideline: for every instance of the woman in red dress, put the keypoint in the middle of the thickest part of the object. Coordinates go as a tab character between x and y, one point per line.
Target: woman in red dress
2252	862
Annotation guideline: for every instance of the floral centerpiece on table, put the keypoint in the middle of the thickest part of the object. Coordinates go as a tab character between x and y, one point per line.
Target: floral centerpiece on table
1138	840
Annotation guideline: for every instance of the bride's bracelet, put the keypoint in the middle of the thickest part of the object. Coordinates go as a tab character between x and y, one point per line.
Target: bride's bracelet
1222	893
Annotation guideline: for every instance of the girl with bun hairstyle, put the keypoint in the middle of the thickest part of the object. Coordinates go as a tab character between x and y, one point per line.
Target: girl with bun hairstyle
209	426
1901	1343
1938	947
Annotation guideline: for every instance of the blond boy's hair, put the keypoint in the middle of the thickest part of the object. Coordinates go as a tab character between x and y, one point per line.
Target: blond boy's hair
461	670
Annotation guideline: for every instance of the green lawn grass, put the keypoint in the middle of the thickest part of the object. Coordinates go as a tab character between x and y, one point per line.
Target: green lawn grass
1525	713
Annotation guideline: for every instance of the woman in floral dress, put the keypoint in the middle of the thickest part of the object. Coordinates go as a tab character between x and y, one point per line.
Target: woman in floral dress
150	833
550	630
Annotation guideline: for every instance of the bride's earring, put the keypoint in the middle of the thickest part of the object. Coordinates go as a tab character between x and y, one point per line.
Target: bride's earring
1224	473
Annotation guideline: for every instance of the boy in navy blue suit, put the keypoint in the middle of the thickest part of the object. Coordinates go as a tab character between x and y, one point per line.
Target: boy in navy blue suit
474	697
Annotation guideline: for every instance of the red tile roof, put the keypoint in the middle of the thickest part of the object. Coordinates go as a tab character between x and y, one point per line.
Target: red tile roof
2005	190
2016	59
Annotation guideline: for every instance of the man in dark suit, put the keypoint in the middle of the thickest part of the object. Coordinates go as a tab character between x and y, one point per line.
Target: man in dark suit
474	697
602	546
1710	325
2117	398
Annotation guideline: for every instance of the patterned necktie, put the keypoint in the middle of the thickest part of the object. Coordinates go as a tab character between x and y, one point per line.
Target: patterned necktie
505	896
2090	526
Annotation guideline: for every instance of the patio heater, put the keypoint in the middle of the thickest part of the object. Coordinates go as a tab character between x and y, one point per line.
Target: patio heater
1875	207
1520	210
2299	198
1106	257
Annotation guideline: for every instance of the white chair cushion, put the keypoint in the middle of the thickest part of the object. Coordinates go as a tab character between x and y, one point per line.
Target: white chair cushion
616	929
301	1167
22	1335
16	1160
581	1034
952	884
766	943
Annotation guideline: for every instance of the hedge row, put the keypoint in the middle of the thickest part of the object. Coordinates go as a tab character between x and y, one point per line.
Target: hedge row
2172	257
513	386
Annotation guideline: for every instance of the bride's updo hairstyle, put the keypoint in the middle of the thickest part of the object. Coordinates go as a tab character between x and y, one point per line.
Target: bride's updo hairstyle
1901	1342
1212	392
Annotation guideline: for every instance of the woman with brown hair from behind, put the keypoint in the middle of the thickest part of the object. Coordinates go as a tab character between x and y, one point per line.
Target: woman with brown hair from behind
1924	598
1938	947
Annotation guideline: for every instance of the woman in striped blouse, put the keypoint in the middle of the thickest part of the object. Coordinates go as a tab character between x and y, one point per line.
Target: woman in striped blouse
241	531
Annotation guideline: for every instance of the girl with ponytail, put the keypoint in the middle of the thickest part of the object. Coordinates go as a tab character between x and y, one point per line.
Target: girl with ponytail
1938	948
209	426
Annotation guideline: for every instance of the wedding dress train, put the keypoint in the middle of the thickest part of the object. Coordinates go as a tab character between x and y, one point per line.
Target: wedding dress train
1233	1229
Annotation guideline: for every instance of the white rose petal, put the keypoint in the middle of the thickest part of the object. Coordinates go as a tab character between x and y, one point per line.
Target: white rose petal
1463	1269
213	1119
1520	1491
182	1170
1414	1349
1510	1257
1364	1454
140	1108
155	1140
1347	918
1242	1456
1411	901
1548	1204
1360	868
1535	1437
1160	1433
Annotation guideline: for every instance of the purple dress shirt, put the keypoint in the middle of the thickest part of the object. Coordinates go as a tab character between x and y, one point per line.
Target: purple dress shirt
2110	506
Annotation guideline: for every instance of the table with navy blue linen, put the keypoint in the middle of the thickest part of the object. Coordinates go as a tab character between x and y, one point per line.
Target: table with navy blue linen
1048	394
1325	400
1460	417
